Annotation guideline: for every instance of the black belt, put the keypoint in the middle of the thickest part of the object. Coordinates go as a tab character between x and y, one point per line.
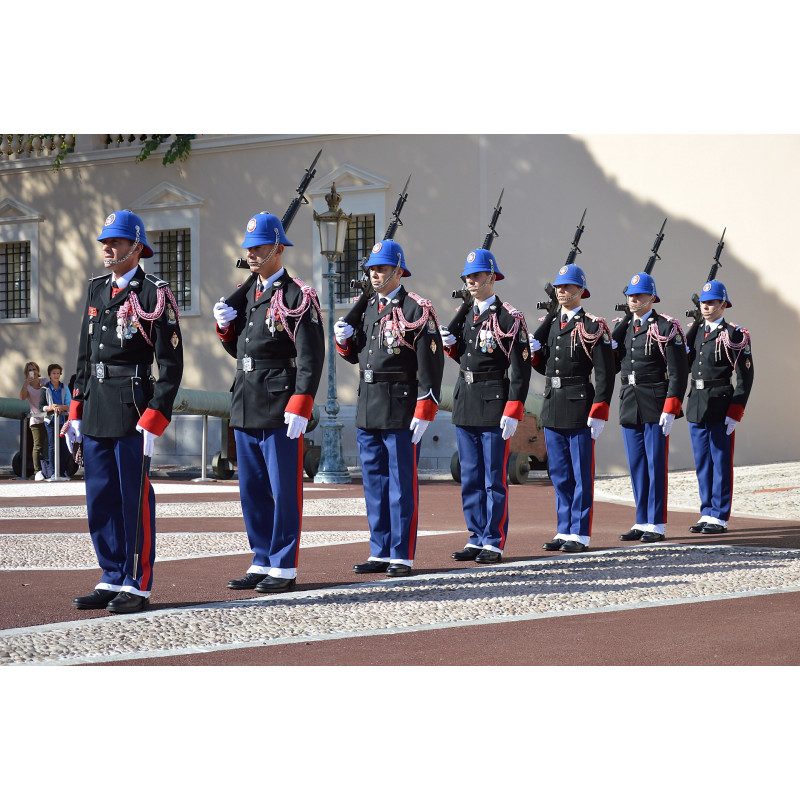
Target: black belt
488	375
249	364
102	370
370	376
634	380
556	382
701	384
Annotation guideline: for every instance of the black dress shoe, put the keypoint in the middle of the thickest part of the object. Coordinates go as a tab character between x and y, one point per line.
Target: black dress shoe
489	557
653	537
127	603
371	566
572	546
711	528
398	571
249	581
698	528
270	584
554	545
467	554
631	536
99	598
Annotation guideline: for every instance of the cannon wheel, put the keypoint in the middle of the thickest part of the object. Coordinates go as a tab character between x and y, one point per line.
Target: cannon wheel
455	468
222	467
518	467
311	461
16	464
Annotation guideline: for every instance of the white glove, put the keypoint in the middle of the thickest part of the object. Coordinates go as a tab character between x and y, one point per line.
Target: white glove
224	314
731	423
73	434
448	340
148	440
535	345
666	422
342	331
417	428
508	426
596	425
296	424
614	344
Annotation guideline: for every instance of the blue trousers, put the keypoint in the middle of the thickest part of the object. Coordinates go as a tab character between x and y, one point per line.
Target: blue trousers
713	459
483	456
389	470
570	457
270	469
113	471
647	450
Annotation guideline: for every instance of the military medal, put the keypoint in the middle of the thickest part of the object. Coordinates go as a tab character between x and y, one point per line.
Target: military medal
175	340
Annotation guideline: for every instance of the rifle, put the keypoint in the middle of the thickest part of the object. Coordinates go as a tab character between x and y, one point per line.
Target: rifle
695	312
466	298
354	314
552	304
238	294
648	269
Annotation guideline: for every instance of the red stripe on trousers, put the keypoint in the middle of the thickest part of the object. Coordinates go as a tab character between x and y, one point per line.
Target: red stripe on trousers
147	538
505	489
412	533
299	496
591	507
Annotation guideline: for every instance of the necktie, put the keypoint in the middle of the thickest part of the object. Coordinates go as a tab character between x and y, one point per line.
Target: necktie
381	304
708	330
259	290
476	312
564	319
637	323
115	290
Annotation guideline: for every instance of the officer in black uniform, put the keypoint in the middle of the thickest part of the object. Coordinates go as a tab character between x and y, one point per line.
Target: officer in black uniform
569	346
717	350
493	350
275	334
399	351
119	409
651	351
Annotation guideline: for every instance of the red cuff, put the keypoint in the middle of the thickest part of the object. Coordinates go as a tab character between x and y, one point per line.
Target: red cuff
672	406
227	335
452	351
344	350
426	409
514	409
535	358
735	411
153	422
599	411
300	404
75	410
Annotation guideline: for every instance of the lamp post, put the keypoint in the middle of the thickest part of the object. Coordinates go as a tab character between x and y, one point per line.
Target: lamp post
332	234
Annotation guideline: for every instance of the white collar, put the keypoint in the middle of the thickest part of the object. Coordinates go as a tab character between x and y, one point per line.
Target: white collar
570	314
272	278
484	304
123	281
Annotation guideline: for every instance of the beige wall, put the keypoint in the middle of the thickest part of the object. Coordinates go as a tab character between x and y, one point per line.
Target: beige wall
628	183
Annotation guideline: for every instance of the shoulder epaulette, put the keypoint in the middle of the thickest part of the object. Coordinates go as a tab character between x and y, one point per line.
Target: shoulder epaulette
98	277
156	280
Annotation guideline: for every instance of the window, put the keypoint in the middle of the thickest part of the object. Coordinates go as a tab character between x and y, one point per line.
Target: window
360	238
172	262
15	280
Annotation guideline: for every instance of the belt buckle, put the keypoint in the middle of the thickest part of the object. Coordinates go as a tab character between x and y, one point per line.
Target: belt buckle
632	379
701	384
368	376
100	370
469	377
555	383
247	364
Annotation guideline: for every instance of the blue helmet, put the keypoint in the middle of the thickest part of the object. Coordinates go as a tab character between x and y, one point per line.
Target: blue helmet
264	228
572	273
481	260
126	225
388	252
715	290
642	283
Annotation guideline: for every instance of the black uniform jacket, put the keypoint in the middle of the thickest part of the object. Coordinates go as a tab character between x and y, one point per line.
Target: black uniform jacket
114	388
718	398
490	384
570	405
650	383
391	382
285	374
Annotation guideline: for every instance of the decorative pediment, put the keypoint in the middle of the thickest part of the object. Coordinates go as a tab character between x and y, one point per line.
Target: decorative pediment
12	210
166	195
350	178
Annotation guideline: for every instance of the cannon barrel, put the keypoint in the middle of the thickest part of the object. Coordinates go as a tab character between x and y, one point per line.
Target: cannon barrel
14	408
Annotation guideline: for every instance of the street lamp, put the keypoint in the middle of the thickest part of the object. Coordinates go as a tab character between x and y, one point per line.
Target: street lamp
332	234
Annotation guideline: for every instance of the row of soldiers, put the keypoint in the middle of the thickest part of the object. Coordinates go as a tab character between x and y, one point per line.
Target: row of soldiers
273	328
